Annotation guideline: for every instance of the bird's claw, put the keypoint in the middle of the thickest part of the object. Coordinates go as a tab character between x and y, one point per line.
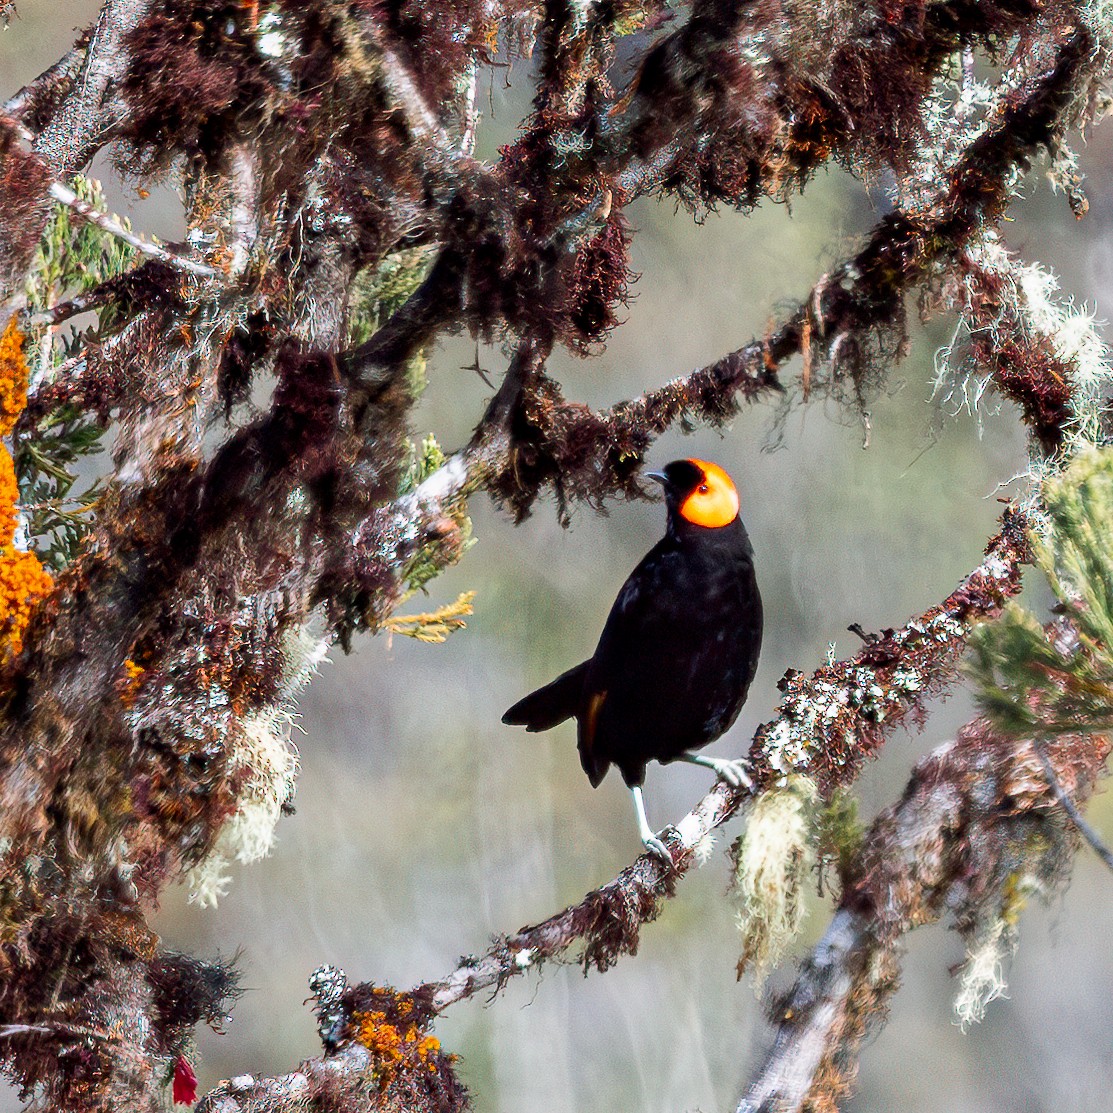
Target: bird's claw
657	848
735	771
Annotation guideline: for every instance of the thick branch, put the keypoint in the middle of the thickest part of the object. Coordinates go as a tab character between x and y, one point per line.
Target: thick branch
950	845
83	121
35	102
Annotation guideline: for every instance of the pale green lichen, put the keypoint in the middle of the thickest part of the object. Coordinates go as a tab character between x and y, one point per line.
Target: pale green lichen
264	756
703	849
1029	294
837	834
772	861
267	761
808	716
983	974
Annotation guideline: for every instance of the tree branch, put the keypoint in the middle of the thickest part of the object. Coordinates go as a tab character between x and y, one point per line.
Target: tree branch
949	846
592	455
35	102
82	123
106	223
1093	839
315	151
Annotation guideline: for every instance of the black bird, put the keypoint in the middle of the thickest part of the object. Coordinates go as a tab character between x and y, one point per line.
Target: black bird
678	652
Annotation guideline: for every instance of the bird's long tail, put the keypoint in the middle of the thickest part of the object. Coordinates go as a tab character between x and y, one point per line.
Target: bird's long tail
552	704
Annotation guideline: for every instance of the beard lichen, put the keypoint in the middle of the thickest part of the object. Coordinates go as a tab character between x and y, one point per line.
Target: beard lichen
772	860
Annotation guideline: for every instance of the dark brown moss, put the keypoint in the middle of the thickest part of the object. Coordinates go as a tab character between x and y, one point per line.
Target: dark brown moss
599	282
193	75
24	207
188	992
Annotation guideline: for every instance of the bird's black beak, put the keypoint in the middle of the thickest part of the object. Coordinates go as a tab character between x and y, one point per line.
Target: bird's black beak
659	476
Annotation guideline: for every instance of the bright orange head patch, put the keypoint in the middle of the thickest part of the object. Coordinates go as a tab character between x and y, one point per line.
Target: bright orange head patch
713	502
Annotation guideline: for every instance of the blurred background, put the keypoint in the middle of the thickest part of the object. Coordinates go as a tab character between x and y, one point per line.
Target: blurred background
424	826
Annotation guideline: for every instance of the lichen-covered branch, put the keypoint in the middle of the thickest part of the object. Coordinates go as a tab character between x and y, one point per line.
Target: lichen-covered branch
977	827
852	321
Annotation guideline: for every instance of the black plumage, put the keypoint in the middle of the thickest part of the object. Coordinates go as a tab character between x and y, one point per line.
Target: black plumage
679	650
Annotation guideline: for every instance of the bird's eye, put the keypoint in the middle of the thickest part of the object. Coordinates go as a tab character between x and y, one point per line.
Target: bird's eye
703	488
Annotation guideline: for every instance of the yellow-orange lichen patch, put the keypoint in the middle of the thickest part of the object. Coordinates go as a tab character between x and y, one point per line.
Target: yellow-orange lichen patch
427	1049
382	1039
13	377
128	685
394	1048
9	499
23	582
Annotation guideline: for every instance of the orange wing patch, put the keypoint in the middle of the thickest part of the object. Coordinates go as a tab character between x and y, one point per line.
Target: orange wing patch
591	718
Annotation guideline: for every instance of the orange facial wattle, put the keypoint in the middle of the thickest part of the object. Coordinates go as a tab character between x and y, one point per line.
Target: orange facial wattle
712	503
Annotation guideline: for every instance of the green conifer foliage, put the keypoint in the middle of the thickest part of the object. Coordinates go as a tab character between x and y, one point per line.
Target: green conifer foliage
1039	682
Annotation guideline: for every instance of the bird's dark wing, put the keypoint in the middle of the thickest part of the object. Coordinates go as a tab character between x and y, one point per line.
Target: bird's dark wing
676	655
632	666
648	613
594	765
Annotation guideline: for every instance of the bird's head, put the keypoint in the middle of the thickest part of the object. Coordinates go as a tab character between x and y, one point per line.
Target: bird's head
698	492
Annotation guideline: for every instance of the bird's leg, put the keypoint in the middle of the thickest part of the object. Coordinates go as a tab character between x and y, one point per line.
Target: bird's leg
652	843
736	771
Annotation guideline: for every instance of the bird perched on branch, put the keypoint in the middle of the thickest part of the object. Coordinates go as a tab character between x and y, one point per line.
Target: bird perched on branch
678	652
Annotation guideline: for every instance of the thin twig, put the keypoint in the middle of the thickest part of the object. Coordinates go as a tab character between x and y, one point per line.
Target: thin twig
106	223
64	310
1068	805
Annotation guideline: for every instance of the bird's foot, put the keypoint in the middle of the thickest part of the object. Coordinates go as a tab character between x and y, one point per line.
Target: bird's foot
649	840
735	771
657	848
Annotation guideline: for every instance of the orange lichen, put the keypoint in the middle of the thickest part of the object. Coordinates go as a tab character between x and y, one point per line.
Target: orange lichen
9	499
393	1048
379	1037
427	1049
128	686
23	580
13	377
